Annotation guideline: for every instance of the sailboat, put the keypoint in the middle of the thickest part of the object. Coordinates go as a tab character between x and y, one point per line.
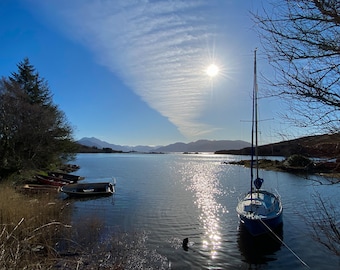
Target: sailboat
260	211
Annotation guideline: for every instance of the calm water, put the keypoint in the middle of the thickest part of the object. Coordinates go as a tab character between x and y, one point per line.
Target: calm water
165	198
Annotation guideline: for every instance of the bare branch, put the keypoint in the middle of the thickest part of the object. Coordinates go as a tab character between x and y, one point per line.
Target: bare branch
302	41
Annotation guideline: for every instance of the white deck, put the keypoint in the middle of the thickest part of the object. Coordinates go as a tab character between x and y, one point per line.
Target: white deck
260	205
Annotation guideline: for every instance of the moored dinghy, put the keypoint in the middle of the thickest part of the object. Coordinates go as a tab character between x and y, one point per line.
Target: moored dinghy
36	188
67	176
89	189
260	211
46	180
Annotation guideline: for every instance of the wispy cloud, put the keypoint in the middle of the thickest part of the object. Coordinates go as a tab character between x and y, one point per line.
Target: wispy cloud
158	48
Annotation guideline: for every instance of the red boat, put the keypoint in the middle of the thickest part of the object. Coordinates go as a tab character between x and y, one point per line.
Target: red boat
45	180
66	176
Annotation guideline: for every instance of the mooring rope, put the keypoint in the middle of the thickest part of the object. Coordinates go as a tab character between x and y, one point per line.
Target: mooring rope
283	243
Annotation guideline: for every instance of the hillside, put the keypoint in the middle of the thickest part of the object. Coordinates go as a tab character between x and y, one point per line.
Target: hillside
99	144
327	146
199	146
323	146
203	146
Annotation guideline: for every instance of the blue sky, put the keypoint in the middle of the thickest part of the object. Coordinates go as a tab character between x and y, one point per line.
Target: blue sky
133	72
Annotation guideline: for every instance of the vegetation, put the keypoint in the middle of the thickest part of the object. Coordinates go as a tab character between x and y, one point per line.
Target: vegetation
36	233
323	220
29	227
34	133
298	161
301	40
94	149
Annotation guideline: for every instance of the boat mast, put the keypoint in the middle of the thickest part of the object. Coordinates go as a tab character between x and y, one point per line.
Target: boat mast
253	128
256	117
254	133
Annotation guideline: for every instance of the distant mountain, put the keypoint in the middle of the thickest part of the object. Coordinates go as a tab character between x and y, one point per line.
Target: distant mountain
198	146
204	146
94	142
327	145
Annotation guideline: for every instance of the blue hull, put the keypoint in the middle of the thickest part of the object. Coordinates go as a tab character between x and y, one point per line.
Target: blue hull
256	227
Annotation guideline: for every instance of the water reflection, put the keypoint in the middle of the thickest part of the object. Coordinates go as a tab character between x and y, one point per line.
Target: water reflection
205	185
261	249
156	195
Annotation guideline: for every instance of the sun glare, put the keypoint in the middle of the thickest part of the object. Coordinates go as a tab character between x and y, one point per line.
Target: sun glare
212	70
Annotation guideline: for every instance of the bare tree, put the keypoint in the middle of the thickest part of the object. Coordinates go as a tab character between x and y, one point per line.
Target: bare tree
302	41
324	223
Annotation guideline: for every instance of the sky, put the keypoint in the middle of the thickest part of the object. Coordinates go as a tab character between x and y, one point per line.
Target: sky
134	72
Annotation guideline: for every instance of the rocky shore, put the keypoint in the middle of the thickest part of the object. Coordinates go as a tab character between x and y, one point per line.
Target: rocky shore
298	164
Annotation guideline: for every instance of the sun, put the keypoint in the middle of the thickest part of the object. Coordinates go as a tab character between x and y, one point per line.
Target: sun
212	70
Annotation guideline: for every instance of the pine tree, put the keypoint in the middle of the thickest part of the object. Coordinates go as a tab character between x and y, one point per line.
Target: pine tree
31	83
34	133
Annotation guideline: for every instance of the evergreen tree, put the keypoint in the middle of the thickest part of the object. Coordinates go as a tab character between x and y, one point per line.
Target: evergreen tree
34	133
32	84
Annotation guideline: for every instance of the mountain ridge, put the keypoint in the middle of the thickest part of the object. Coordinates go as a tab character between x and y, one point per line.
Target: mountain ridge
327	145
197	146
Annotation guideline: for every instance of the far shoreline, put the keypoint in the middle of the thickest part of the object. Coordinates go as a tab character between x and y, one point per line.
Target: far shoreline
321	168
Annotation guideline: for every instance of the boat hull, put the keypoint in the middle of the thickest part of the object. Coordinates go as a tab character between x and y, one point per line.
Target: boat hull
49	181
257	227
88	189
36	188
66	176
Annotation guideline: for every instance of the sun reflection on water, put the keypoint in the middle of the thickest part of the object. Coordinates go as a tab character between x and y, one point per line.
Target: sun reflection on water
206	188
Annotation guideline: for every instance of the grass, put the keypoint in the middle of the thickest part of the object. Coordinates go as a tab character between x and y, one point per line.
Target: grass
36	233
28	229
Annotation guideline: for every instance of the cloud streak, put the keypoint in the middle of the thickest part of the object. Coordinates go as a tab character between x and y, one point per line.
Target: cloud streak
158	48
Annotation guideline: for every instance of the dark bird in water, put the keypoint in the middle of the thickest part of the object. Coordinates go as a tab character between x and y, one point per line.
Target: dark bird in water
185	244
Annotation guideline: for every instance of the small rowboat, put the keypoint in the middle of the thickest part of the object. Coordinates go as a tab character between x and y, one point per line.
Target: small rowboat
36	188
50	181
60	179
66	176
89	189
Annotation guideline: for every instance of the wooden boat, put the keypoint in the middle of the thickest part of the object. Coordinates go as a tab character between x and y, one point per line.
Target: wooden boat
36	188
89	189
50	181
57	179
66	176
260	211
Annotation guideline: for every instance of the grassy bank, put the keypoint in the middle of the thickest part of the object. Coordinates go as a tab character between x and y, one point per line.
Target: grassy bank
29	226
36	233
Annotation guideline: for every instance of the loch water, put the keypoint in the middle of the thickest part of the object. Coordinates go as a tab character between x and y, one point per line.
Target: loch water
161	199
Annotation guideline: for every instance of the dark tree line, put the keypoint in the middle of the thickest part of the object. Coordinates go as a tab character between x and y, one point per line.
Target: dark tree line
34	133
302	41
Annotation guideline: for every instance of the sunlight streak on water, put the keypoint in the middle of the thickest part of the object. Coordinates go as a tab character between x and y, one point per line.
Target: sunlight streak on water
162	199
202	181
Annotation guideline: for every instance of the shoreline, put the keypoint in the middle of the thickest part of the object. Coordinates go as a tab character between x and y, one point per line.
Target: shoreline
324	169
